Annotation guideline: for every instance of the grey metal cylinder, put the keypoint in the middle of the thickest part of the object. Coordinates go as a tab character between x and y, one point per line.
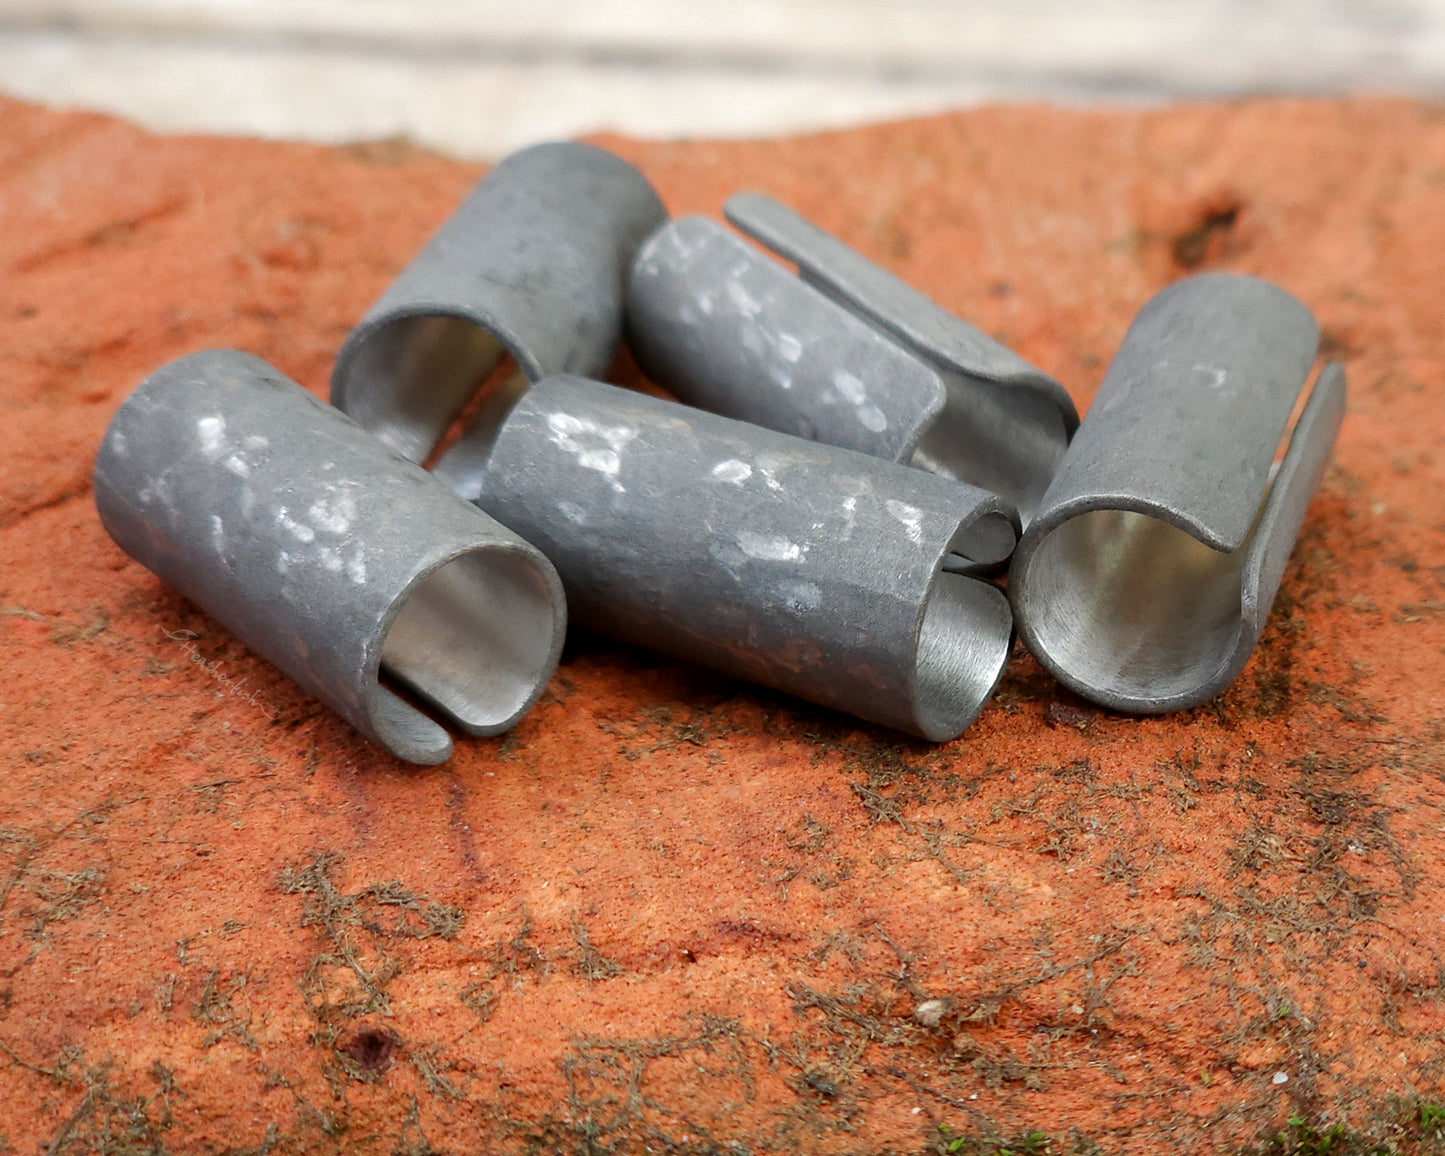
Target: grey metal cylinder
1145	578
348	567
532	264
843	353
812	569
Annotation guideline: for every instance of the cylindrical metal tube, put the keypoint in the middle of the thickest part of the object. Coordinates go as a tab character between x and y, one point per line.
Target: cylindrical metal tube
532	264
842	353
809	568
724	328
1145	578
327	554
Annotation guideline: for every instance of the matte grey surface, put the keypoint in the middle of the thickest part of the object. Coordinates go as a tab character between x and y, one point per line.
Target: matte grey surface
531	264
809	568
1146	577
327	554
844	353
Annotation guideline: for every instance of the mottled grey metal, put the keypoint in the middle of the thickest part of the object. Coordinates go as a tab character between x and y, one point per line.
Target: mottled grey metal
845	353
327	554
1146	576
532	264
809	568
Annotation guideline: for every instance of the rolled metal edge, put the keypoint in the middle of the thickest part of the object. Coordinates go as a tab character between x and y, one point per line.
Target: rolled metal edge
1005	424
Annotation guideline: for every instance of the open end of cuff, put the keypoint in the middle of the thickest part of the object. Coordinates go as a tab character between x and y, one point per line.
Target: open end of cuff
478	638
1134	612
406	379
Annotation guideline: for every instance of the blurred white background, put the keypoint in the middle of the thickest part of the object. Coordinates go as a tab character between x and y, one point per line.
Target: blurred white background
479	77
